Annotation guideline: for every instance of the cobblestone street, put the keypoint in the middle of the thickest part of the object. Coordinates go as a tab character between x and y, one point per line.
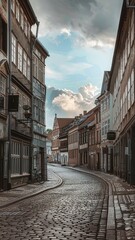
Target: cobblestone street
75	210
74	203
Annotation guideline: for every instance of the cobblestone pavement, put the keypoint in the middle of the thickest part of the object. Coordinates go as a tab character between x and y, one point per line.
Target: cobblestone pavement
121	207
75	210
112	217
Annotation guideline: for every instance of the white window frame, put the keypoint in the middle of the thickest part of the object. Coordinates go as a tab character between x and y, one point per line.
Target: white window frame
13	6
14	47
24	63
15	157
17	12
20	56
22	19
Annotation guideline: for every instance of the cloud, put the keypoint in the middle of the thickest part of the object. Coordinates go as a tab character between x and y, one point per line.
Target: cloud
94	42
66	31
72	102
67	103
52	74
91	19
66	65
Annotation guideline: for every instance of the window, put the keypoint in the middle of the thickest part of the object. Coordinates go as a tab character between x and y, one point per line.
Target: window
38	89
24	63
15	157
19	159
106	127
108	124
129	94
28	68
22	19
14	44
128	44
3	33
132	87
13	6
41	71
35	67
3	91
126	53
39	110
103	130
132	28
121	108
17	12
93	137
20	51
25	159
25	26
124	110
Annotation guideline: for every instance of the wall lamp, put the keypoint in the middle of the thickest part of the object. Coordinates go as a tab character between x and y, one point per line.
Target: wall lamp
27	115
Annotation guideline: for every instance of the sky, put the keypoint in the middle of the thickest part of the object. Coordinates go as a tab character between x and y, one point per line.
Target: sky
80	38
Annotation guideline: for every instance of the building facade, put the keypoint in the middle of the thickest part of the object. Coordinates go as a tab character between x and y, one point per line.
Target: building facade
84	139
73	146
58	125
105	101
38	104
73	140
94	140
16	143
63	137
122	88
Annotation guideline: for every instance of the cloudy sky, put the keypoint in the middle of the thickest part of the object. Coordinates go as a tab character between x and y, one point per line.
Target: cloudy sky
79	36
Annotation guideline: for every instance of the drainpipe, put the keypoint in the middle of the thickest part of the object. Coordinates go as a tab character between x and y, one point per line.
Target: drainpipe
9	58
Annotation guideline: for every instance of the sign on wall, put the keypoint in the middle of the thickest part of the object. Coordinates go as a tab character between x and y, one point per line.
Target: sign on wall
111	135
13	102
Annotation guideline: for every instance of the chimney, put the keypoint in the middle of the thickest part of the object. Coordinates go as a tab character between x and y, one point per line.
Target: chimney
84	112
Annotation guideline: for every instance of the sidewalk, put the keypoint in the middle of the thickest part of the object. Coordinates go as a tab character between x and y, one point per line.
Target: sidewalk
26	191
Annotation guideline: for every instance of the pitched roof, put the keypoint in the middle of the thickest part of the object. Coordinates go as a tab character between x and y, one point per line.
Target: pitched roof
90	118
64	121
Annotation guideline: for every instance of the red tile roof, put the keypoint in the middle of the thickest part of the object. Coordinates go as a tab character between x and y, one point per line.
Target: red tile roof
64	121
